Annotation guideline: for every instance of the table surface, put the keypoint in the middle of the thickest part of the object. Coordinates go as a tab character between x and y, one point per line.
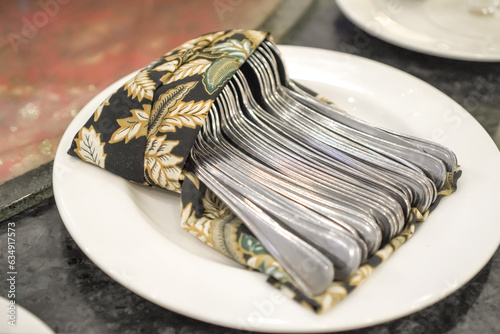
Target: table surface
61	286
56	55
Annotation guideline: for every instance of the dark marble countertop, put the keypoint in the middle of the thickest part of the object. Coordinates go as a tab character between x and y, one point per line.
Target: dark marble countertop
61	286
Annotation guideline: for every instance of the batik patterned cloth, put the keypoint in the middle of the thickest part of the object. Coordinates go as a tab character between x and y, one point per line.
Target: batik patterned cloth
145	130
144	133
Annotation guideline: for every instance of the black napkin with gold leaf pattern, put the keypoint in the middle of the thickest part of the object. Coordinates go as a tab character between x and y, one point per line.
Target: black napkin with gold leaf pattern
145	130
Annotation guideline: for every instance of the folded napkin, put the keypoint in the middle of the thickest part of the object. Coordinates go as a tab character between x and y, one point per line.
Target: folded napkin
144	133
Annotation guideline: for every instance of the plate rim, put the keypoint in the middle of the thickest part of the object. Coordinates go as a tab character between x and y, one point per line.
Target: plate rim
346	7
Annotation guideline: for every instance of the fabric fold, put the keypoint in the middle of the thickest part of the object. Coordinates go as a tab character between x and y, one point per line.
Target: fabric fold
144	131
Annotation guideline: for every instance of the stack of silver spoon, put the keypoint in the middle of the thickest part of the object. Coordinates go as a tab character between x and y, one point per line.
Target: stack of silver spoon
322	190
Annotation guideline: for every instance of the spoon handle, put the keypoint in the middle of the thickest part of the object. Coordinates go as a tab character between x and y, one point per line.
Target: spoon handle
312	271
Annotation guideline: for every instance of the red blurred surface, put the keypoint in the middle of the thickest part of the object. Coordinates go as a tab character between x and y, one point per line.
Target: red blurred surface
57	54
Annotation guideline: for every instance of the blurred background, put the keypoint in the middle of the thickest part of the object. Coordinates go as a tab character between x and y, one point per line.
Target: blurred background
56	55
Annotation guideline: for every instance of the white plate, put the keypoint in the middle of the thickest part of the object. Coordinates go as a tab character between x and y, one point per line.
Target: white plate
26	322
443	28
133	233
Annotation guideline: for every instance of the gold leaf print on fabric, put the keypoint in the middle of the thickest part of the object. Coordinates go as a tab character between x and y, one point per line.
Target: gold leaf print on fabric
89	147
337	289
169	66
265	260
255	37
360	275
233	48
221	35
335	294
175	59
166	77
197	66
188	114
165	102
161	164
140	86
398	241
201	41
214	207
132	127
266	264
385	252
198	227
208	231
98	111
201	44
193	178
230	239
213	220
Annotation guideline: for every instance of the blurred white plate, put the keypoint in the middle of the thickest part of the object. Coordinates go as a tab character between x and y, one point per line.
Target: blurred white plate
26	322
443	28
133	233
